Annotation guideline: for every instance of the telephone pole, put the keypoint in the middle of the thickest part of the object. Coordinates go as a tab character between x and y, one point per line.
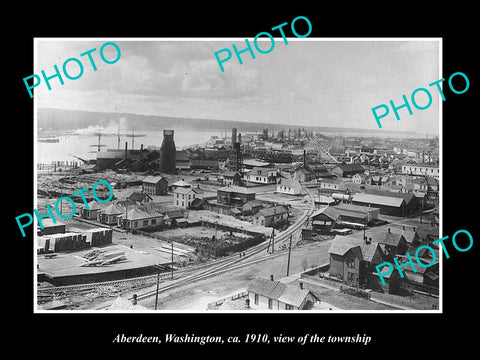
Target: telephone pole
172	261
158	283
289	251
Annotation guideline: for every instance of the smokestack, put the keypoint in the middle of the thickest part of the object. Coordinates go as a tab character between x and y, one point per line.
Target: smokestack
234	135
304	158
271	277
141	151
126	151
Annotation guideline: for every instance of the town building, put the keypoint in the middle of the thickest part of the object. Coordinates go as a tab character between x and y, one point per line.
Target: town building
353	259
389	203
393	244
270	217
180	184
347	170
304	175
49	227
110	214
138	218
92	212
234	195
172	217
231	178
359	178
264	294
357	213
252	163
262	175
182	160
324	219
421	169
330	185
289	186
183	197
155	185
251	207
139	198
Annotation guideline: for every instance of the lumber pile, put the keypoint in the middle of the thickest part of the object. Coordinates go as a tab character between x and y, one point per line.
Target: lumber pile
101	257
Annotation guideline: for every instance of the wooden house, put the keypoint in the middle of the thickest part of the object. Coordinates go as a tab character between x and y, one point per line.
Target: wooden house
264	294
155	185
289	186
324	219
271	216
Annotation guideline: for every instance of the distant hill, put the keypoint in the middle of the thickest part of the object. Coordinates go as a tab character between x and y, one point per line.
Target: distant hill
60	119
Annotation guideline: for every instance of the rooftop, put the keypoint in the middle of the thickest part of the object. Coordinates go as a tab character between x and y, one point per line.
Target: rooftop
354	208
290	183
329	211
274	289
237	189
378	199
271	211
153	179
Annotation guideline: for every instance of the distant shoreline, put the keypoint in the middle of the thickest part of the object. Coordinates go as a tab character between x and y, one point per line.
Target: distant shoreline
51	119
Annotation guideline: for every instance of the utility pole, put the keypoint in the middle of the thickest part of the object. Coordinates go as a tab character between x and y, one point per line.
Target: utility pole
273	241
289	251
158	283
172	261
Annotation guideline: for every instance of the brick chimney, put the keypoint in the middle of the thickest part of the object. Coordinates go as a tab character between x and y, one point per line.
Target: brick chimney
271	277
301	285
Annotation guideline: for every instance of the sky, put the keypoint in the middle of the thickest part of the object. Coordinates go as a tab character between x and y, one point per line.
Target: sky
307	82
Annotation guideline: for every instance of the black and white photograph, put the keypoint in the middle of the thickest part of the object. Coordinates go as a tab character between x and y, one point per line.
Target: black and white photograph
267	186
245	181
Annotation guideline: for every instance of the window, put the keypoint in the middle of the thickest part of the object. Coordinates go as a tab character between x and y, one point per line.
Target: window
145	222
177	202
288	307
262	221
270	304
350	277
351	264
255	300
135	224
154	221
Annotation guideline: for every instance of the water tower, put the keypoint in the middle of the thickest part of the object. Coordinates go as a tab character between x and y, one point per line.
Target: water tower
168	153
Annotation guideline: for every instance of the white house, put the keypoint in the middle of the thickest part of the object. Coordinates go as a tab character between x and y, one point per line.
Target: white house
263	175
264	294
183	197
421	169
289	186
332	184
